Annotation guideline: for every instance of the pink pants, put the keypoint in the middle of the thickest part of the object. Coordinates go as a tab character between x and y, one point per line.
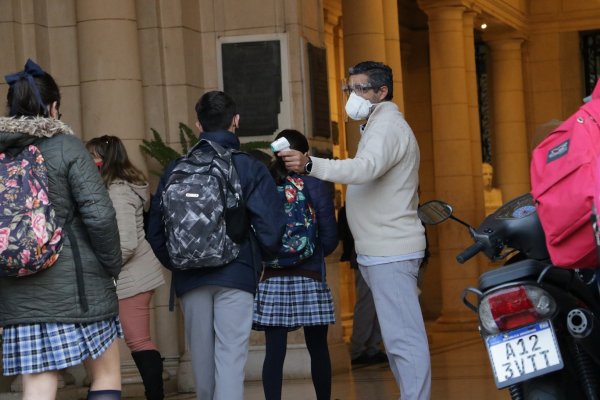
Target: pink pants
134	313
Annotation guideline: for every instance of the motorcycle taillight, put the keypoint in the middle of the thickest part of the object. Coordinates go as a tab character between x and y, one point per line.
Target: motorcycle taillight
514	306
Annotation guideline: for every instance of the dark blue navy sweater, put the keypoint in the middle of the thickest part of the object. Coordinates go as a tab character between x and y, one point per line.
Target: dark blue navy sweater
321	197
265	213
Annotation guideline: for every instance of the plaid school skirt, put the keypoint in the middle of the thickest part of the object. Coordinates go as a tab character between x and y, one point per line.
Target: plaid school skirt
292	302
33	348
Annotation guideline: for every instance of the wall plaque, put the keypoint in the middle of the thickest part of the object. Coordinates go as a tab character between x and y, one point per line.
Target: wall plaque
252	76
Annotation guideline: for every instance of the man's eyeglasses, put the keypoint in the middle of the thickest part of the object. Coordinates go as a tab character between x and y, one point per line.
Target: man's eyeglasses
359	88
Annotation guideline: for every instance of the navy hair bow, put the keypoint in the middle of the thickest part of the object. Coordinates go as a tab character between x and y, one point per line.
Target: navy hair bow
31	69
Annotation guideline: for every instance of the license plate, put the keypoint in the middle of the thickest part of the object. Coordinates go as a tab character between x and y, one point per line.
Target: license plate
523	353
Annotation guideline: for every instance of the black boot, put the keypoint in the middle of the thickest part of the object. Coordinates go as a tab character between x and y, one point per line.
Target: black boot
150	365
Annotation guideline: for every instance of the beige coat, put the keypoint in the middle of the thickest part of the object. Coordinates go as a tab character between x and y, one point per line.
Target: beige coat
141	269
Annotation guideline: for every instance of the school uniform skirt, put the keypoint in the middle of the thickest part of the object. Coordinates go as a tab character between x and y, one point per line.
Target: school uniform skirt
292	302
33	348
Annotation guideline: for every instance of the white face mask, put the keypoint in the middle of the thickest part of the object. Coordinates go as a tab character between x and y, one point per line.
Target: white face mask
358	108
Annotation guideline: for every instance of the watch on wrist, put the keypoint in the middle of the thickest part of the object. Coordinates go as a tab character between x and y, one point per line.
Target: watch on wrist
308	166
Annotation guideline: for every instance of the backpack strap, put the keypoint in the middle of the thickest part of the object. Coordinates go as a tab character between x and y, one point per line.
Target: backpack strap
172	293
78	268
68	227
78	263
222	153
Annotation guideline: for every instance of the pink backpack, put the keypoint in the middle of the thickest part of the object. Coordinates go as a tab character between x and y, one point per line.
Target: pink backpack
564	177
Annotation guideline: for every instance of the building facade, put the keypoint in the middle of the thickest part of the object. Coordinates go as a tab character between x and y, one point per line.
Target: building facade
477	80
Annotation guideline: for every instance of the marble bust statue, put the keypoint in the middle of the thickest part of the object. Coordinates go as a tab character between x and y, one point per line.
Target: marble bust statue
492	196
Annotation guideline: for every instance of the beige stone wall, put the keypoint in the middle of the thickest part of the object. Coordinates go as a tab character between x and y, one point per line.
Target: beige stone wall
175	57
126	66
45	32
553	67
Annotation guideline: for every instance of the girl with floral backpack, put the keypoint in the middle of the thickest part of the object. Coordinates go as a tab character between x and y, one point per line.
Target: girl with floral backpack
296	296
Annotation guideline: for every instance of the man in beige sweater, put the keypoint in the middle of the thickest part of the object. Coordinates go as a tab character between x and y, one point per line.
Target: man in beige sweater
381	206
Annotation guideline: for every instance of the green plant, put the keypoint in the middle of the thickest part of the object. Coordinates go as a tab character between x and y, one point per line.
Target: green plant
187	137
157	149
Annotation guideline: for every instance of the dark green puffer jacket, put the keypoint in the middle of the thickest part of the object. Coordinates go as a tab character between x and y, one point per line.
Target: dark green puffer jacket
75	186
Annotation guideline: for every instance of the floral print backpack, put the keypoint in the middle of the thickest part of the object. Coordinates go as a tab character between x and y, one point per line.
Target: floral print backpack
300	235
30	237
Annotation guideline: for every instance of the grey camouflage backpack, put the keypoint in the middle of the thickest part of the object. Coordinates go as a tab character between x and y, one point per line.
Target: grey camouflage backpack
203	209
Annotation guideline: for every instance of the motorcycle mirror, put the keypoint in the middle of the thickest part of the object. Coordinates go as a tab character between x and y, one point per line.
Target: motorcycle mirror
433	212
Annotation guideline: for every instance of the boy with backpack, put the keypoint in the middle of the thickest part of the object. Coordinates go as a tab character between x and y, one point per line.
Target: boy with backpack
211	226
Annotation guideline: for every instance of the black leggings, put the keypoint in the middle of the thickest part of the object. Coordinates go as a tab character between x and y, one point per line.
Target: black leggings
320	364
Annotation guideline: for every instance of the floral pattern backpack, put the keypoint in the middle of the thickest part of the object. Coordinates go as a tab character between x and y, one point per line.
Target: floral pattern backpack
299	239
30	237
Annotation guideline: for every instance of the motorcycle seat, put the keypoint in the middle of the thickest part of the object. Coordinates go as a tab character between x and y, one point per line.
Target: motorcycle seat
513	272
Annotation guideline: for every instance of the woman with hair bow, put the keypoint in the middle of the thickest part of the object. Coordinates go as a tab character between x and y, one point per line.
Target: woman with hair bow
66	314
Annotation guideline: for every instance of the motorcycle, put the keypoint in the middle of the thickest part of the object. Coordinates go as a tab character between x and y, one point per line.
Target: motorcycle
539	323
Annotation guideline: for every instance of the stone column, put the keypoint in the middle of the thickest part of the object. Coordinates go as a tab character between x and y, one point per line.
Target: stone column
364	39
511	154
335	71
111	83
453	151
392	48
476	156
111	87
364	31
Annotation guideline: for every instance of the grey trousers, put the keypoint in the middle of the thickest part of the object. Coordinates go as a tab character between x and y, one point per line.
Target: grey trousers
218	322
366	335
394	288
